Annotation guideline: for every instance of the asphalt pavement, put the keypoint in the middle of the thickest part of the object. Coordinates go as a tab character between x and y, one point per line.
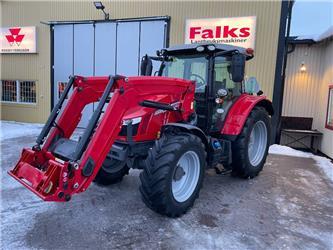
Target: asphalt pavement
288	206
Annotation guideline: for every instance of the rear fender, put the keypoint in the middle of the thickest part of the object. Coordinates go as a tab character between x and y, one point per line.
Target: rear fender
239	112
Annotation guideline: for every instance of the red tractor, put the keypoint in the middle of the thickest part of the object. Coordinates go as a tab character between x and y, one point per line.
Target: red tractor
192	114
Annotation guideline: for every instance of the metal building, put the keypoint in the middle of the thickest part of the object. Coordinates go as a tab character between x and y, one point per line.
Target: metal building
73	38
308	91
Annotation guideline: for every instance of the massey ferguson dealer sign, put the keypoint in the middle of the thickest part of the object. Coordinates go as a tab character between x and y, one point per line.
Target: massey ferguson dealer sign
18	40
238	31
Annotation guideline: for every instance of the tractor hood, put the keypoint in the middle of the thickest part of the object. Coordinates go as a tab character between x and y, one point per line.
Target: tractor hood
139	111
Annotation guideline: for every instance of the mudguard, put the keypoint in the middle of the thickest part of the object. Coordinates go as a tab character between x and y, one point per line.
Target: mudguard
186	128
240	110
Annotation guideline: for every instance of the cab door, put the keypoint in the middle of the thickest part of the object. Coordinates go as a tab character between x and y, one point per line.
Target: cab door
198	72
223	91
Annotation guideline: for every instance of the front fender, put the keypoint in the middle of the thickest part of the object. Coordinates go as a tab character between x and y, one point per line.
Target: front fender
240	110
186	128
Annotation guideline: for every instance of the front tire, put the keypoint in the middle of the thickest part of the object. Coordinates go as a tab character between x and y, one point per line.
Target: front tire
249	151
173	174
111	172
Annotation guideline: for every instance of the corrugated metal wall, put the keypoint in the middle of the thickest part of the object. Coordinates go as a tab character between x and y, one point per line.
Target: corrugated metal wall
301	88
306	93
37	67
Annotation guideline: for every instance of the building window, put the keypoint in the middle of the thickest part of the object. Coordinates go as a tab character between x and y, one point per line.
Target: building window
329	116
9	91
28	92
18	91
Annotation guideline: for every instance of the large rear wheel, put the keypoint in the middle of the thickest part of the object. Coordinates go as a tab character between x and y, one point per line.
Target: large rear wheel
249	151
173	174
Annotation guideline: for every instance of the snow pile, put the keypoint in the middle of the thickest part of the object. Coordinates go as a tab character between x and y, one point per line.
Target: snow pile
325	164
10	130
318	38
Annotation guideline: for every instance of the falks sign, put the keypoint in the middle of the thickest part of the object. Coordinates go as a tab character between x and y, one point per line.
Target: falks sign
238	31
18	40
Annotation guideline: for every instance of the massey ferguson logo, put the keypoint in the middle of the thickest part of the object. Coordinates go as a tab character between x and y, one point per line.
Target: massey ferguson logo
14	36
18	39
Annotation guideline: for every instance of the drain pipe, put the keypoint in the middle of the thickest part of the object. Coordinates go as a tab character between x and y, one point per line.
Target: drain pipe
283	76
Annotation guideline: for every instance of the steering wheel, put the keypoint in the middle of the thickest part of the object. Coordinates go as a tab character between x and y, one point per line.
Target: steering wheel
199	84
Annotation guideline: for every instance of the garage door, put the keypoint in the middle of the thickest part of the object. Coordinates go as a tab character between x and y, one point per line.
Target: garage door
103	48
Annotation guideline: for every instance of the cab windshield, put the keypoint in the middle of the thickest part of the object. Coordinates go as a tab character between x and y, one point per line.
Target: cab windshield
194	67
188	67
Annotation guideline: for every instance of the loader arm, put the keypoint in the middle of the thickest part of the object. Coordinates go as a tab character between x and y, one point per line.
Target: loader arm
57	167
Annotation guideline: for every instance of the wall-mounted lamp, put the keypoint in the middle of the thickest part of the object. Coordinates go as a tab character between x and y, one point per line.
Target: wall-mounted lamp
303	67
100	6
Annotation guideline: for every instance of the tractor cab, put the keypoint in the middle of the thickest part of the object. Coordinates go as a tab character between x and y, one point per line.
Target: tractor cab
218	71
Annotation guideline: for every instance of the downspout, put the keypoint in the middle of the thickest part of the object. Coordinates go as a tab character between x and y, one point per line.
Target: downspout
285	60
279	90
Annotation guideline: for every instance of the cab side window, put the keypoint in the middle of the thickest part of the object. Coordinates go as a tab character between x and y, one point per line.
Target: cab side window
198	73
222	78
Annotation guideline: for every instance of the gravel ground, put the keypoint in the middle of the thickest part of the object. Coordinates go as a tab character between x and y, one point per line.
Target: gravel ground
288	206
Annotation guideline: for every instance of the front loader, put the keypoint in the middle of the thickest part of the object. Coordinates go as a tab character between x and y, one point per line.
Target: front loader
193	114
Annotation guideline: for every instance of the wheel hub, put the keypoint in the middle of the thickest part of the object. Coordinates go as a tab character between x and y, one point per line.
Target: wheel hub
185	176
179	173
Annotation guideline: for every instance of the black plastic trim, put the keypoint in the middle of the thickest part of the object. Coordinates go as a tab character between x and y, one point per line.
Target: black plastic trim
89	167
186	127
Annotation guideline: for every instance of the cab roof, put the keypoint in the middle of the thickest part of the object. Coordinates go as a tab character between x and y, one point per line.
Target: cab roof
192	49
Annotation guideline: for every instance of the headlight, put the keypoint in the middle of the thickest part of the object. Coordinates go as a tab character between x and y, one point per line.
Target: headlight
133	120
211	47
135	126
200	48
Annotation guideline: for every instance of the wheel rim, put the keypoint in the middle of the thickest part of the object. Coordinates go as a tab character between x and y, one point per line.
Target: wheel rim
185	176
112	166
257	143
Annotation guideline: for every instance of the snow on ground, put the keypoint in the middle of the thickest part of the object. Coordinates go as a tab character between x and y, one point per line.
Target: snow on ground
288	206
325	164
11	129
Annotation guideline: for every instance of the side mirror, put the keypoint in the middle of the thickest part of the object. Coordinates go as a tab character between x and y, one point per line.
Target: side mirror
252	86
146	66
237	67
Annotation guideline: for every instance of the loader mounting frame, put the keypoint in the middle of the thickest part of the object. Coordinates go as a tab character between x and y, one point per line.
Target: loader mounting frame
55	174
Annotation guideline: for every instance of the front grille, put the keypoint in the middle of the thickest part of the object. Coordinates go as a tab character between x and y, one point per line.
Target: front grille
123	131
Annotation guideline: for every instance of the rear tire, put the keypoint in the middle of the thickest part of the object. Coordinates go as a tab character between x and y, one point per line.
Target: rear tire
249	151
173	174
111	172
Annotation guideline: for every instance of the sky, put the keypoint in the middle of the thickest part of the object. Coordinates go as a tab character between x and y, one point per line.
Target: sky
311	17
